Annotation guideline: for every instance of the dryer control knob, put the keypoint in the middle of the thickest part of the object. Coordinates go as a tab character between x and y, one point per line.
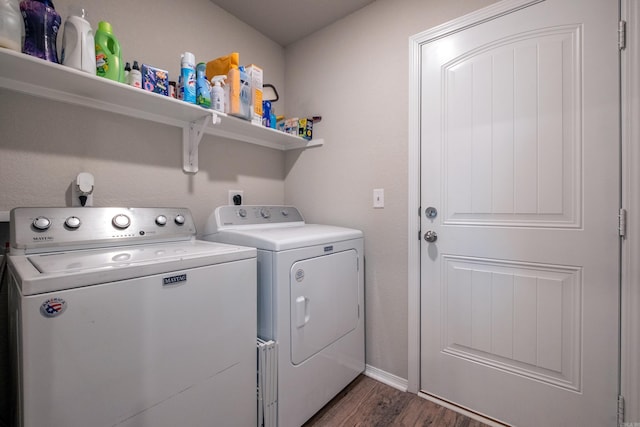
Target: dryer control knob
72	222
179	220
41	223
121	221
242	213
285	213
264	213
161	220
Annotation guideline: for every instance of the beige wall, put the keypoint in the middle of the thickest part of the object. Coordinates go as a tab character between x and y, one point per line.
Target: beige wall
355	74
45	144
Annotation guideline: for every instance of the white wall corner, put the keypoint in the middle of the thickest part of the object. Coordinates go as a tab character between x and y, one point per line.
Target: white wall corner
386	378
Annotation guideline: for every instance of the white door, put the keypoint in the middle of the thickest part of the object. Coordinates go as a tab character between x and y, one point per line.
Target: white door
324	302
520	158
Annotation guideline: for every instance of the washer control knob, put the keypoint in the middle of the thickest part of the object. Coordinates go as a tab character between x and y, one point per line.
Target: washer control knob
72	222
179	219
161	220
285	213
121	221
41	223
242	213
264	213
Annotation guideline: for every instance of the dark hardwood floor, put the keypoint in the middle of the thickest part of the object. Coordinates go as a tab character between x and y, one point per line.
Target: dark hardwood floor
370	403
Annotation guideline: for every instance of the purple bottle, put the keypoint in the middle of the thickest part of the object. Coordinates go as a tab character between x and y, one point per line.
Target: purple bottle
41	24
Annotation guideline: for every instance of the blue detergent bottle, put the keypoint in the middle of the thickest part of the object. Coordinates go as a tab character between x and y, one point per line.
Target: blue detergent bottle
203	87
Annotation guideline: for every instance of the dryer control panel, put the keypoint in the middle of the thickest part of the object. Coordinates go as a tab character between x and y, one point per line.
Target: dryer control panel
52	229
226	216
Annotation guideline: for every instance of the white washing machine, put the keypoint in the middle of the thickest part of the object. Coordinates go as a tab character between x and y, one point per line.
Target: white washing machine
119	316
310	301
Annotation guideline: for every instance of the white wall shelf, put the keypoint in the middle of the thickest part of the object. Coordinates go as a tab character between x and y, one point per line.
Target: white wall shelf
24	73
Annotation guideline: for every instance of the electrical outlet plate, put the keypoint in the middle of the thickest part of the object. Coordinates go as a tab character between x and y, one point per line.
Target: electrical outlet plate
233	193
378	198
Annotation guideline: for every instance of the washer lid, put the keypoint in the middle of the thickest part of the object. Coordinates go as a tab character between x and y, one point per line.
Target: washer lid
40	273
284	238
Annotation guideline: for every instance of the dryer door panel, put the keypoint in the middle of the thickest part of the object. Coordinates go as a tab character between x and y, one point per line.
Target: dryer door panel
324	302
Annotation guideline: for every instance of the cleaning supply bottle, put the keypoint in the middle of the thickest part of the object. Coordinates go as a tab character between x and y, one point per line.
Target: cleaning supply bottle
41	25
187	79
127	70
11	25
217	93
108	55
135	76
203	87
78	44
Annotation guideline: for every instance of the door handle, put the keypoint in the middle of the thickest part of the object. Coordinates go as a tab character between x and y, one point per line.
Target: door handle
430	236
302	311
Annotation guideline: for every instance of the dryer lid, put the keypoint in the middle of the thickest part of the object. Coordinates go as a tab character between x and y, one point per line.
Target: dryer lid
285	238
273	228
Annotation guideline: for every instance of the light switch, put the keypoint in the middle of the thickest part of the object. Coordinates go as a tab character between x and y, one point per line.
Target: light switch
378	198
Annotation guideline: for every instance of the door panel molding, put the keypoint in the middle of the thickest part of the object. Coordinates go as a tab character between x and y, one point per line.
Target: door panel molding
532	176
487	317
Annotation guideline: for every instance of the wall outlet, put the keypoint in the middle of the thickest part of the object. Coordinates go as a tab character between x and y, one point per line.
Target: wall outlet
236	197
378	198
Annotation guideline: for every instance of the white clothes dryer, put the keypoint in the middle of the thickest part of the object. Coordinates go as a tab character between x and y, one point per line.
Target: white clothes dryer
119	316
310	300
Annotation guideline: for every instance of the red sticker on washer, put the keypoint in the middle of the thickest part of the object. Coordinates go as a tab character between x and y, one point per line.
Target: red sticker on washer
53	307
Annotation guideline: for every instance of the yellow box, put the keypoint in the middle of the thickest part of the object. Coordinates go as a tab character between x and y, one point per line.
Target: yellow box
305	128
239	94
255	75
222	65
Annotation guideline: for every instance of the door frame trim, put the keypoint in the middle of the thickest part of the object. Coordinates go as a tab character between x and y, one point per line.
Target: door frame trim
415	46
630	270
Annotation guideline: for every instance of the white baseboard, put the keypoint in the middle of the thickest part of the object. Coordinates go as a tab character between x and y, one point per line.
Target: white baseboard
386	378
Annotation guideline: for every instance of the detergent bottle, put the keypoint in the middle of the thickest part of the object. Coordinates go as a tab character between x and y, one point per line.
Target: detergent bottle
41	25
11	25
203	87
78	44
135	76
217	93
108	55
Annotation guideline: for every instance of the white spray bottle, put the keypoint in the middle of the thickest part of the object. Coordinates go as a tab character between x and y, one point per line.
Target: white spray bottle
217	93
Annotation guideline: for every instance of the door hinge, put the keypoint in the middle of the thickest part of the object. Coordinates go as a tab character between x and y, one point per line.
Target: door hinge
622	223
419	211
622	35
419	235
620	410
